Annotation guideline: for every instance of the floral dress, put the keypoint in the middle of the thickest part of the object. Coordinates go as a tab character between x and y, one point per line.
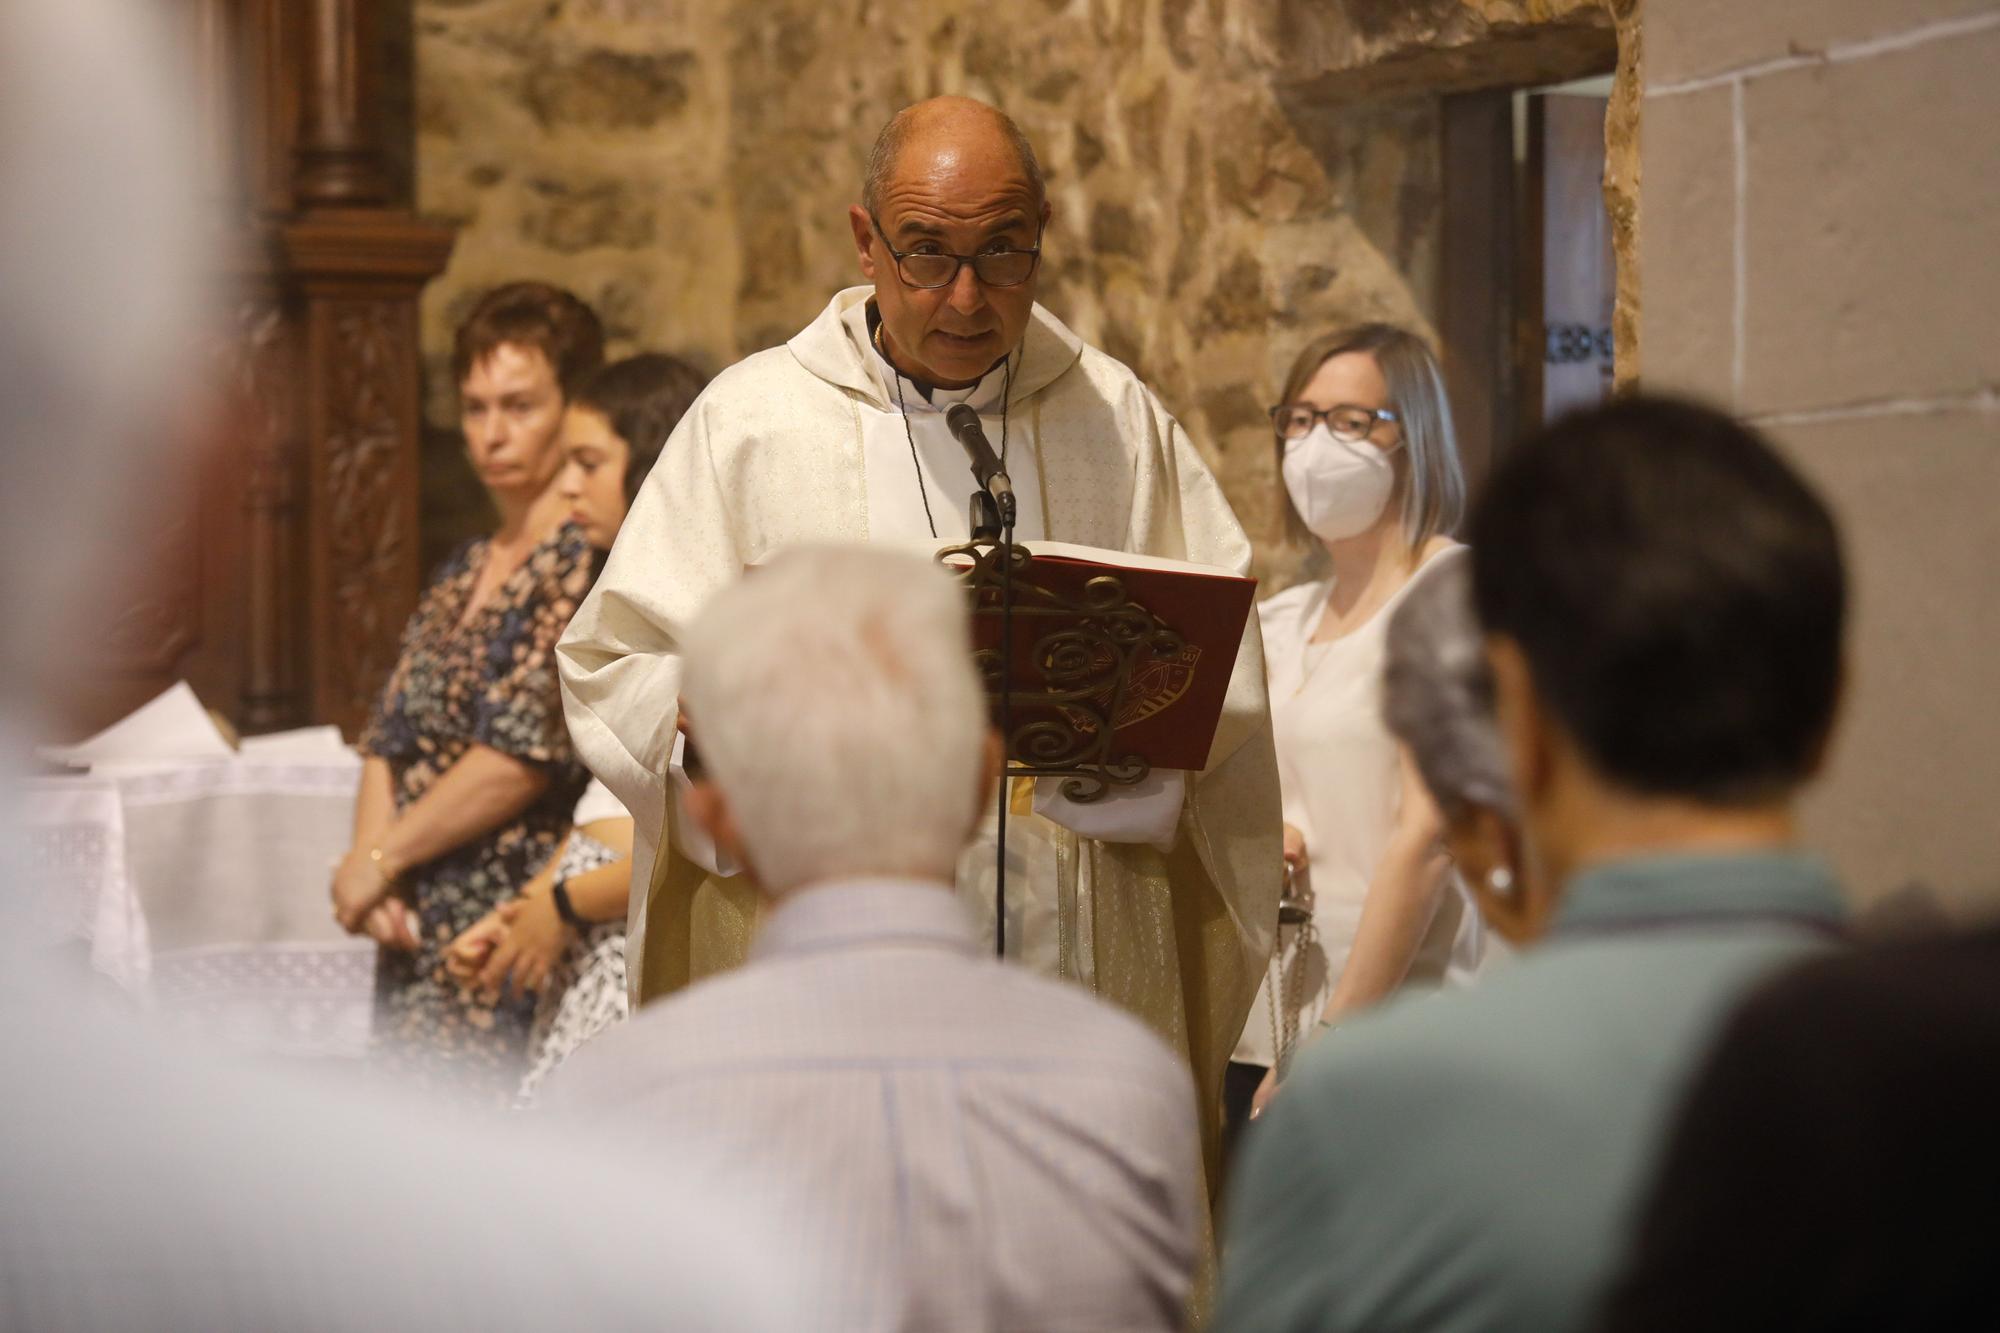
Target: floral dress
491	682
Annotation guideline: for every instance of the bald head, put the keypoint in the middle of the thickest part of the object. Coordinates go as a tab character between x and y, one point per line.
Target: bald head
952	179
955	126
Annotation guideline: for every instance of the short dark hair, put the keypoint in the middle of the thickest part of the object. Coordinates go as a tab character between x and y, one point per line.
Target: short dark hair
537	315
643	397
1678	592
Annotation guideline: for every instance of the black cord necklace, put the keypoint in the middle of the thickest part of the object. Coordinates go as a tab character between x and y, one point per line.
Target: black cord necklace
1006	403
923	491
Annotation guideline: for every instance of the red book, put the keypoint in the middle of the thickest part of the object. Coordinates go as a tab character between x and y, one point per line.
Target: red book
1142	644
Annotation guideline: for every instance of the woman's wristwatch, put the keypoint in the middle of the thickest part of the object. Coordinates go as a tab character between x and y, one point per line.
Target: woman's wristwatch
566	909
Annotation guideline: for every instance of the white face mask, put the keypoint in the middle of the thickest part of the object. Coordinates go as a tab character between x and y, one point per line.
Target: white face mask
1340	488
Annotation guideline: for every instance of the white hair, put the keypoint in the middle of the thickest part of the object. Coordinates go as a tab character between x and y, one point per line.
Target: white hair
1437	695
835	704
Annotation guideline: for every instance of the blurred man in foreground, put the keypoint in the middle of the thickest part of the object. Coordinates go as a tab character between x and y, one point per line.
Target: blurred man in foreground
146	1184
970	1145
1834	1166
1663	600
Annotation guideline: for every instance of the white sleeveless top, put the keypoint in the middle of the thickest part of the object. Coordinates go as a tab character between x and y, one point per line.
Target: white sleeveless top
1340	777
597	803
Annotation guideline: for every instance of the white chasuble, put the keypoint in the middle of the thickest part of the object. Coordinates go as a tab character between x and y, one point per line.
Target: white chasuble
919	478
807	443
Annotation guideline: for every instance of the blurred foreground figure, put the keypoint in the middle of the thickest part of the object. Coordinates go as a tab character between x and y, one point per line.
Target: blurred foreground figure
145	1186
1663	602
971	1146
1835	1167
1437	698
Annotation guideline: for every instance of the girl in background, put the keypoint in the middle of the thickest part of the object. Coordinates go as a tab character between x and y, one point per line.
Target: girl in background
563	937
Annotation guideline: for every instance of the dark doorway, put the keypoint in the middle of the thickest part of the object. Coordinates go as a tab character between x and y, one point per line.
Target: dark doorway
1528	278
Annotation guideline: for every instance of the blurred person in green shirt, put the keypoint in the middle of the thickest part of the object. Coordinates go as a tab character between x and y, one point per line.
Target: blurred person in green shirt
1662	604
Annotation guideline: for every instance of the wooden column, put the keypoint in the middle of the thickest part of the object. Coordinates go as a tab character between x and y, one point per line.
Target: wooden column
278	585
360	272
339	151
359	264
271	692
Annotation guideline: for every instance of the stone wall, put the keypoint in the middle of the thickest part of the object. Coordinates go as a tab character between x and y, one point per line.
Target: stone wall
1229	176
1821	184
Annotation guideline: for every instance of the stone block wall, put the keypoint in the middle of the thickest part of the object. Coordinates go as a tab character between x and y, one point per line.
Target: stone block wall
1229	177
1821	183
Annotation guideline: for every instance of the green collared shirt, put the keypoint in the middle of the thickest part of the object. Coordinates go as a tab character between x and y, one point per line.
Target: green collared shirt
1468	1160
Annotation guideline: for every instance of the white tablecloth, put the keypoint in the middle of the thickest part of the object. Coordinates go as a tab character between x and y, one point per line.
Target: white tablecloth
77	874
202	885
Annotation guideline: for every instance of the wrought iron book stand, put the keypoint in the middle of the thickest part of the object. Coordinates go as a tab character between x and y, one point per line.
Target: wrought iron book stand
1063	699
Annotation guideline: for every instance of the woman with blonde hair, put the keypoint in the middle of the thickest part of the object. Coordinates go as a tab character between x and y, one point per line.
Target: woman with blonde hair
1371	480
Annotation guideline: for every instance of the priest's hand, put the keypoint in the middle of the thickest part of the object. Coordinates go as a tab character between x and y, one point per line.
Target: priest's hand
1295	849
1265	1092
686	756
359	883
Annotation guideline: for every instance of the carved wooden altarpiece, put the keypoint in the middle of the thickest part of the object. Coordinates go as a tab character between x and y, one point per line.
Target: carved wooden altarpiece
281	593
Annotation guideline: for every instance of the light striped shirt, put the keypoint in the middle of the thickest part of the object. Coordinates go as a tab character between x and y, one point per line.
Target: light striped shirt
951	1142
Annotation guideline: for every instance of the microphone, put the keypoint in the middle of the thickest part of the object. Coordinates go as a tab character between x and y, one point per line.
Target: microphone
964	424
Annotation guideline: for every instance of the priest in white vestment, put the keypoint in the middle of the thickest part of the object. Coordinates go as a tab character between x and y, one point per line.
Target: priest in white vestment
1163	899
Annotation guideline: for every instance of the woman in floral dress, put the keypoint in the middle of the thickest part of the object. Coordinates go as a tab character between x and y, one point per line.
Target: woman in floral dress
470	778
564	936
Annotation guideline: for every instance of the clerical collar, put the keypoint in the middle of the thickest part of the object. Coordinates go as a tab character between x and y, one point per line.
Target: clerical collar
924	387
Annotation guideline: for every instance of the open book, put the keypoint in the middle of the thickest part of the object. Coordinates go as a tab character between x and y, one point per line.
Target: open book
1118	660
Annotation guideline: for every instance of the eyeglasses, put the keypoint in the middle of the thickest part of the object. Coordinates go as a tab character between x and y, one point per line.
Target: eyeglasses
930	269
1346	422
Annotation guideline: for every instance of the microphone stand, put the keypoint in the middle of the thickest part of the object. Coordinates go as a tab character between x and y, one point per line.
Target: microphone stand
992	520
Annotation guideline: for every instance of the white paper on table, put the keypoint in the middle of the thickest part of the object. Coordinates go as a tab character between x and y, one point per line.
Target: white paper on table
80	880
303	743
173	725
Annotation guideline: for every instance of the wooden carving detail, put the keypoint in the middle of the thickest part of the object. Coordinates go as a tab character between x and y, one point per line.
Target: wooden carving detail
259	374
366	542
281	562
151	634
263	380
